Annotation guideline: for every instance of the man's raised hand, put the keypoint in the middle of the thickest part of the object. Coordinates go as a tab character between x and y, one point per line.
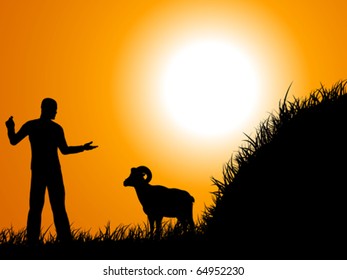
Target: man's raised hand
10	123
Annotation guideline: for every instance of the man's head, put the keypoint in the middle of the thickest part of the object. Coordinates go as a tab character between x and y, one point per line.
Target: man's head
49	108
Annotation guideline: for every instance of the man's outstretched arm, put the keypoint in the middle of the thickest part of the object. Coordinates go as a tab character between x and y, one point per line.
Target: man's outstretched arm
65	149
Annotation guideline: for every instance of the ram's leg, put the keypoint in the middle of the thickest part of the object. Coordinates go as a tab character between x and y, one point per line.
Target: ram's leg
191	223
190	219
158	222
151	224
185	224
185	221
179	223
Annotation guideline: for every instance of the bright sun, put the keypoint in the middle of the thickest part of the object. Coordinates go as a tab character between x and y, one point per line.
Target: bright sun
210	87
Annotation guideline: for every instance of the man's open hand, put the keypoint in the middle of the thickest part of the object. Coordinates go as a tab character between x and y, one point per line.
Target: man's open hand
88	146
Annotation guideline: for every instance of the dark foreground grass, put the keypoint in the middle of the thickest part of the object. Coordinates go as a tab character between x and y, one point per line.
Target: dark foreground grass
123	242
283	196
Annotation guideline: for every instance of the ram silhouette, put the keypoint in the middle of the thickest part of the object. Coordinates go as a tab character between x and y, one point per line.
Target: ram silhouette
160	201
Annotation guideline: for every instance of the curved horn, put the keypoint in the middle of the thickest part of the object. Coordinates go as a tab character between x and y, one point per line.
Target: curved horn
147	171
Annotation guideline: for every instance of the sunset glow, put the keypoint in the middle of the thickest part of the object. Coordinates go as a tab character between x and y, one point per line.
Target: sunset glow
210	87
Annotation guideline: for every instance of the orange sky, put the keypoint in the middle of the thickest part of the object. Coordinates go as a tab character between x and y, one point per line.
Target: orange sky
102	60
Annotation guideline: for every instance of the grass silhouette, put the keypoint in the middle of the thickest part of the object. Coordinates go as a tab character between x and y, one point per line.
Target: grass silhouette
123	242
283	194
282	197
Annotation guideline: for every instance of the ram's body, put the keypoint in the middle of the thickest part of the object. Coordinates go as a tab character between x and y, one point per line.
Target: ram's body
159	201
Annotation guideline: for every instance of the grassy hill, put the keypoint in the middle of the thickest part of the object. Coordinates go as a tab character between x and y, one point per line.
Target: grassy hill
284	193
283	196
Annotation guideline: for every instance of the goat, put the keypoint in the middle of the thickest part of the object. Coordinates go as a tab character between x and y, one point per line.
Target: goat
159	201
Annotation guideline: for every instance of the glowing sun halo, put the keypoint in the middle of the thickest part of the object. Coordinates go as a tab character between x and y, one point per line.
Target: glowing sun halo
209	87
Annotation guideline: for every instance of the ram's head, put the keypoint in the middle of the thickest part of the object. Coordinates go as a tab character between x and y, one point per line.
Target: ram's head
138	176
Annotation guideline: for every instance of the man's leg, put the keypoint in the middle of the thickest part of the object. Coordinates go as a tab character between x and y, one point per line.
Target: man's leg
56	194
36	202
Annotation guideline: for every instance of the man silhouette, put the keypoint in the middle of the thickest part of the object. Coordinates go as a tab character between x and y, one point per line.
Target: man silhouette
45	138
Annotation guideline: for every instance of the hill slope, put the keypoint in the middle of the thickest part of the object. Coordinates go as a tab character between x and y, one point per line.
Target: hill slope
284	193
